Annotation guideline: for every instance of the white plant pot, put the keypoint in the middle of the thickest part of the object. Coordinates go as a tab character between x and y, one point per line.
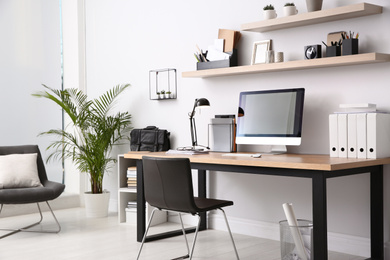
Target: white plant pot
96	205
269	14
290	10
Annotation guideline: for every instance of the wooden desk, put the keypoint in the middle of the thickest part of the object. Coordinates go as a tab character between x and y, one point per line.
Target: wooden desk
317	167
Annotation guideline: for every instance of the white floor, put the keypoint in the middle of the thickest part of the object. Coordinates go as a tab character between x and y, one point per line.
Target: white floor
103	238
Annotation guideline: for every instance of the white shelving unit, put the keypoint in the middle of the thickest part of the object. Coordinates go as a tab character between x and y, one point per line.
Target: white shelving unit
126	194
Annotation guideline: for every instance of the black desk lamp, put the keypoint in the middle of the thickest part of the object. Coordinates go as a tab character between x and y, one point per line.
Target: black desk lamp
198	103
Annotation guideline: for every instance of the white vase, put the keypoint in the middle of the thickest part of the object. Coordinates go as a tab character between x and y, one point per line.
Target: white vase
313	5
96	205
269	14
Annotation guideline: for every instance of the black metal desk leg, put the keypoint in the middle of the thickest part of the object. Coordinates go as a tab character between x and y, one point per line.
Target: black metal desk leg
320	228
141	214
202	187
377	226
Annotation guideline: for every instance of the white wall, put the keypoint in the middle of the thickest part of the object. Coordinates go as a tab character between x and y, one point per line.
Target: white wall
126	39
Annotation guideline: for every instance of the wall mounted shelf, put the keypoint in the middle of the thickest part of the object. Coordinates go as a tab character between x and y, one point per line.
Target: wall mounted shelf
366	58
329	15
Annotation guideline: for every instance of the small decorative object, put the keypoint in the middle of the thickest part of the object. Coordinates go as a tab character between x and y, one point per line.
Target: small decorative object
290	9
162	81
279	57
259	50
168	94
313	52
269	12
313	5
269	56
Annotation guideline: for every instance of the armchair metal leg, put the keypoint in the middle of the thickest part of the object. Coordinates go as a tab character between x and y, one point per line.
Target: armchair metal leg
230	233
26	228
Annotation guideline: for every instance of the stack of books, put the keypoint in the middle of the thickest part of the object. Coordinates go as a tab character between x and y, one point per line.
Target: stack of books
132	177
132	206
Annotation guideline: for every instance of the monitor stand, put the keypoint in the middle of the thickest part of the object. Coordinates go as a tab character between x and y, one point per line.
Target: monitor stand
277	149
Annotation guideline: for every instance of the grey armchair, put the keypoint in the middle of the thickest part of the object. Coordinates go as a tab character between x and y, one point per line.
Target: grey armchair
48	191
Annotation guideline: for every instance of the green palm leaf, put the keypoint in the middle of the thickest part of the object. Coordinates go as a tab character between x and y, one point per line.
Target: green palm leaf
89	139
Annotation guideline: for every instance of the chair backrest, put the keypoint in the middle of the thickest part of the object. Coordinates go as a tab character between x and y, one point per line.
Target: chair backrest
22	149
168	184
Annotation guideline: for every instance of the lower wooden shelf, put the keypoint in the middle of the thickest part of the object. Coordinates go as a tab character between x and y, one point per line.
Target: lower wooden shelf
366	58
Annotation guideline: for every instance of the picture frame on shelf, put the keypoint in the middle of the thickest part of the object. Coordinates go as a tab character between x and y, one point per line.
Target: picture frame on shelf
259	50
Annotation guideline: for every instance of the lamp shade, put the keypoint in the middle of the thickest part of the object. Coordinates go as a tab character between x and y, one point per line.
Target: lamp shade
202	102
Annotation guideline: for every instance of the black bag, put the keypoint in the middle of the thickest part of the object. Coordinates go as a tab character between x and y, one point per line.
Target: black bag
149	139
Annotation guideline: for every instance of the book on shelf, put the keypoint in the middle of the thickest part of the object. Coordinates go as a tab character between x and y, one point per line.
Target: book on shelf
132	205
132	172
131	177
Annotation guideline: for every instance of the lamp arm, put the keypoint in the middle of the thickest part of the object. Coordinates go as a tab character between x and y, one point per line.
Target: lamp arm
193	132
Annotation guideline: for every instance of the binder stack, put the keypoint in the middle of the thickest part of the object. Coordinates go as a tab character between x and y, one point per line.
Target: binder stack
359	132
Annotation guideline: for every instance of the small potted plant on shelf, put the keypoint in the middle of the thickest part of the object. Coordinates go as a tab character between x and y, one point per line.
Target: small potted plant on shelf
168	94
158	95
162	94
269	12
290	9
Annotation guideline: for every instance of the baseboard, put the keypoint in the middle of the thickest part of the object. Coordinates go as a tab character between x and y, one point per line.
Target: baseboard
64	201
341	243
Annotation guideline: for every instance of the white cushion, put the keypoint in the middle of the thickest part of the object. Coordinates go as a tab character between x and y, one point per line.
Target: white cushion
19	171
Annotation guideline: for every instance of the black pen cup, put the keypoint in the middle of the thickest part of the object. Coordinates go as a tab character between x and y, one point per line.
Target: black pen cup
350	46
332	51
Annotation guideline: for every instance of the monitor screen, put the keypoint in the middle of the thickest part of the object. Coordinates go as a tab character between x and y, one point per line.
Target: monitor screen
270	117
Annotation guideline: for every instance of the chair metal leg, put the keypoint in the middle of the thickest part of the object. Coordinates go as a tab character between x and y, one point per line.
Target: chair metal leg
230	233
185	236
196	235
146	232
26	228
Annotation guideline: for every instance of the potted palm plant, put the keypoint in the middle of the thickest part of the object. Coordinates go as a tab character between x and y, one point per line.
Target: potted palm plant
89	138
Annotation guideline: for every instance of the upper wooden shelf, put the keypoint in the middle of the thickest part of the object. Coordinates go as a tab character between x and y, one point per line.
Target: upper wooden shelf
329	15
366	58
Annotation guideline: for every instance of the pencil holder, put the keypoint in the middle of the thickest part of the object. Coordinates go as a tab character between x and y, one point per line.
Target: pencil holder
332	51
350	46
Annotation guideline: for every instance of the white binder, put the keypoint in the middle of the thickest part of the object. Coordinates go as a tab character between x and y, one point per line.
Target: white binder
378	135
333	140
352	135
342	134
361	133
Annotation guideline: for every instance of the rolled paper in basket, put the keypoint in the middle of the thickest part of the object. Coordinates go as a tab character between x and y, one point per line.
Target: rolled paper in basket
293	223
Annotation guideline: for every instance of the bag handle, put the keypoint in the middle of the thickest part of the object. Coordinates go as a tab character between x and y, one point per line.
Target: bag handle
151	127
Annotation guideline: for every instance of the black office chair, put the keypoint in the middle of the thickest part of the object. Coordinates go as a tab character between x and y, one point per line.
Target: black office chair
48	191
168	186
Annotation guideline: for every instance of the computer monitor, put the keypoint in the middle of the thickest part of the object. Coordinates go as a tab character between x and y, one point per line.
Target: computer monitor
270	117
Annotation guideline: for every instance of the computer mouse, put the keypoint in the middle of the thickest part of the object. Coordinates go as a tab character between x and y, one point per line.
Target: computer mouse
257	155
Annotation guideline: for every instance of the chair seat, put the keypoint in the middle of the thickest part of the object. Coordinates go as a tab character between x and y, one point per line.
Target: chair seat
205	204
49	191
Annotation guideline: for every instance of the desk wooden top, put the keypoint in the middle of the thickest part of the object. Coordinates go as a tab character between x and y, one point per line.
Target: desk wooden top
289	161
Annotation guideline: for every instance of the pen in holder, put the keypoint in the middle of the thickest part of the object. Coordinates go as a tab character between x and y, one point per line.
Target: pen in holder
350	46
